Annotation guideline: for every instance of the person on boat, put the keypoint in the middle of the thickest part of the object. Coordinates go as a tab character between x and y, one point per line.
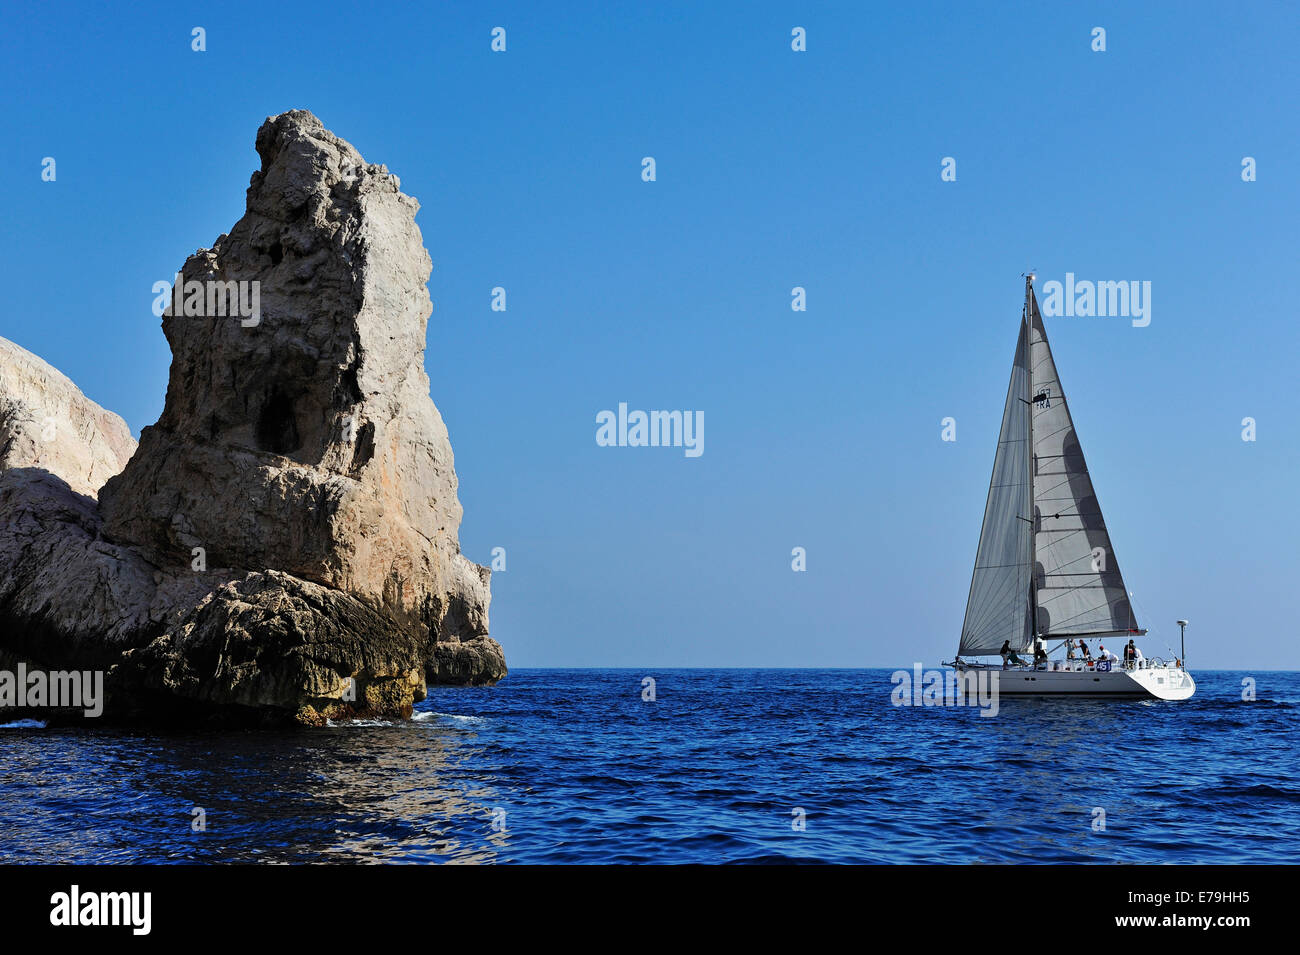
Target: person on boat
1138	659
1087	654
1104	654
1130	655
1040	653
1069	650
1009	655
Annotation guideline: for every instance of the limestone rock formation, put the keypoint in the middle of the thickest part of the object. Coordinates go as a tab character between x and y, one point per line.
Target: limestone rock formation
284	540
46	422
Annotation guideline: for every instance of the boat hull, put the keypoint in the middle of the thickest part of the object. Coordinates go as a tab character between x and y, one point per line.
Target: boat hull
1161	683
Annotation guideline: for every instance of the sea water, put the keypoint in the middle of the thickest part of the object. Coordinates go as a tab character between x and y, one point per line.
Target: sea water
695	766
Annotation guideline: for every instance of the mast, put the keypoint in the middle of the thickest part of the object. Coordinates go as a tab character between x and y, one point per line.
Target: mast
1029	477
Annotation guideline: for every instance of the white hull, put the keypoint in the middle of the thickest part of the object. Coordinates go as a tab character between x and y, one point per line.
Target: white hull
1161	683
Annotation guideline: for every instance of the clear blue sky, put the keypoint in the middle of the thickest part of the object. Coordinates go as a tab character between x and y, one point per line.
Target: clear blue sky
775	169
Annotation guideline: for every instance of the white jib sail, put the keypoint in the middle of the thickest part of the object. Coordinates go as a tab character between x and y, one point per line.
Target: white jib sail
998	606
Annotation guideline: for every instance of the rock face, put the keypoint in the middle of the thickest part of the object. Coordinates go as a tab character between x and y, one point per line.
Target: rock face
283	542
46	422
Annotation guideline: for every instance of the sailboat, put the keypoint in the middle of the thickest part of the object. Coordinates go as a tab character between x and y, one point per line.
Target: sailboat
1045	569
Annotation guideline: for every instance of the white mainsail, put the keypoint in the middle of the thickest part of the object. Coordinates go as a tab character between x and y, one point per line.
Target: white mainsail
1045	565
1078	587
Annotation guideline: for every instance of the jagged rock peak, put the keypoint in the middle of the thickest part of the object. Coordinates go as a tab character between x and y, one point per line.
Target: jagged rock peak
315	422
286	533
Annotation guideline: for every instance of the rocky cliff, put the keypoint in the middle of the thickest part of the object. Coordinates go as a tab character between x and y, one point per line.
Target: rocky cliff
46	422
284	540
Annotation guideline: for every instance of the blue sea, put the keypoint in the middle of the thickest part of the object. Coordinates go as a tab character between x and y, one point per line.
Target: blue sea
742	766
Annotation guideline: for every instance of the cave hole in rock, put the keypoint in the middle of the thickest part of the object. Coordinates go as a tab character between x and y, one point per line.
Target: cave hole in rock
365	446
277	428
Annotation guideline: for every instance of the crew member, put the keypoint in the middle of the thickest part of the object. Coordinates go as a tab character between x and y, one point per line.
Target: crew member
1009	655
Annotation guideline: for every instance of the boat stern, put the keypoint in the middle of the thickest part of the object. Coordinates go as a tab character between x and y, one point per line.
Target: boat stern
1164	683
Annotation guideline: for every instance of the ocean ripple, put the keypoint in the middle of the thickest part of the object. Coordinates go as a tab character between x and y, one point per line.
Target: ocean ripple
738	766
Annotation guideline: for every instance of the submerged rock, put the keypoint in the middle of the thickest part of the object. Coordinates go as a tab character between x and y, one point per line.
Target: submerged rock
284	540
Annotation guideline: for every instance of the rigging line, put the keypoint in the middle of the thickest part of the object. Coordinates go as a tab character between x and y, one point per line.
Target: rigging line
1058	593
1085	519
1062	532
1059	567
1004	586
988	621
1100	623
1065	422
1066	621
978	613
1046	358
1052	381
1049	545
1079	509
1096	573
1061	593
994	613
1058	515
1062	623
1068	426
1058	484
1071	463
1044	474
1062	564
1049	490
983	635
988	638
1003	589
1064	535
1080	500
1134	609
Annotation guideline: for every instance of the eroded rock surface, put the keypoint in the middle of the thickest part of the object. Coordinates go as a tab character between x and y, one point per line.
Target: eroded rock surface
284	540
46	422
